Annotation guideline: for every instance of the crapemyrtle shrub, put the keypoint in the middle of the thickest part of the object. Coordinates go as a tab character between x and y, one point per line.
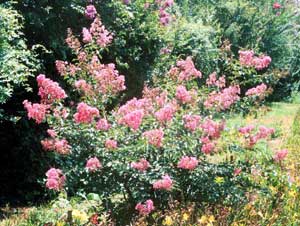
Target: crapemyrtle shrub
148	150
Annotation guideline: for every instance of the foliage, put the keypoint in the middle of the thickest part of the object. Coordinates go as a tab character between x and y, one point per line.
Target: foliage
17	62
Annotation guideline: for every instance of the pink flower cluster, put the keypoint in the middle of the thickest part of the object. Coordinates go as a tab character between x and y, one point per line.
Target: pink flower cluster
262	133
185	70
82	85
191	122
213	81
183	95
99	32
109	80
111	144
55	179
85	113
36	111
165	183
49	91
72	41
224	99
142	165
154	137
90	12
280	155
259	90
145	209
188	163
207	145
103	125
247	58
133	119
166	113
53	144
212	129
93	164
164	16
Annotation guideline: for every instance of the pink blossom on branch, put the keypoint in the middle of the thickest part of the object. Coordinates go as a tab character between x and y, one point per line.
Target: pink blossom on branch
99	32
55	179
280	155
191	122
154	137
49	91
165	183
142	165
146	208
90	12
85	113
111	144
36	111
87	37
257	91
188	163
277	5
103	125
93	164
183	95
166	113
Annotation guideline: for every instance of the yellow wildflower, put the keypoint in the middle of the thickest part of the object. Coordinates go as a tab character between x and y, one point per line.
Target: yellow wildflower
292	194
80	216
185	216
219	180
203	219
60	223
211	219
168	221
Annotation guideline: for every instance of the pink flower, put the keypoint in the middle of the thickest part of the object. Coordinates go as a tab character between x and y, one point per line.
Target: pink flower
213	81
246	57
111	144
166	113
61	67
90	12
51	133
237	171
164	184
212	129
208	147
142	165
257	91
154	137
145	209
85	113
276	5
246	130
36	111
108	79
55	179
280	155
188	163
183	95
191	122
59	146
103	125
223	99
49	91
99	32
133	119
264	132
93	164
187	70
87	37
82	85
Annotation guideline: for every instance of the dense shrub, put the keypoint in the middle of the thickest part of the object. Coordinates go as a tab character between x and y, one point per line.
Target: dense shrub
150	150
